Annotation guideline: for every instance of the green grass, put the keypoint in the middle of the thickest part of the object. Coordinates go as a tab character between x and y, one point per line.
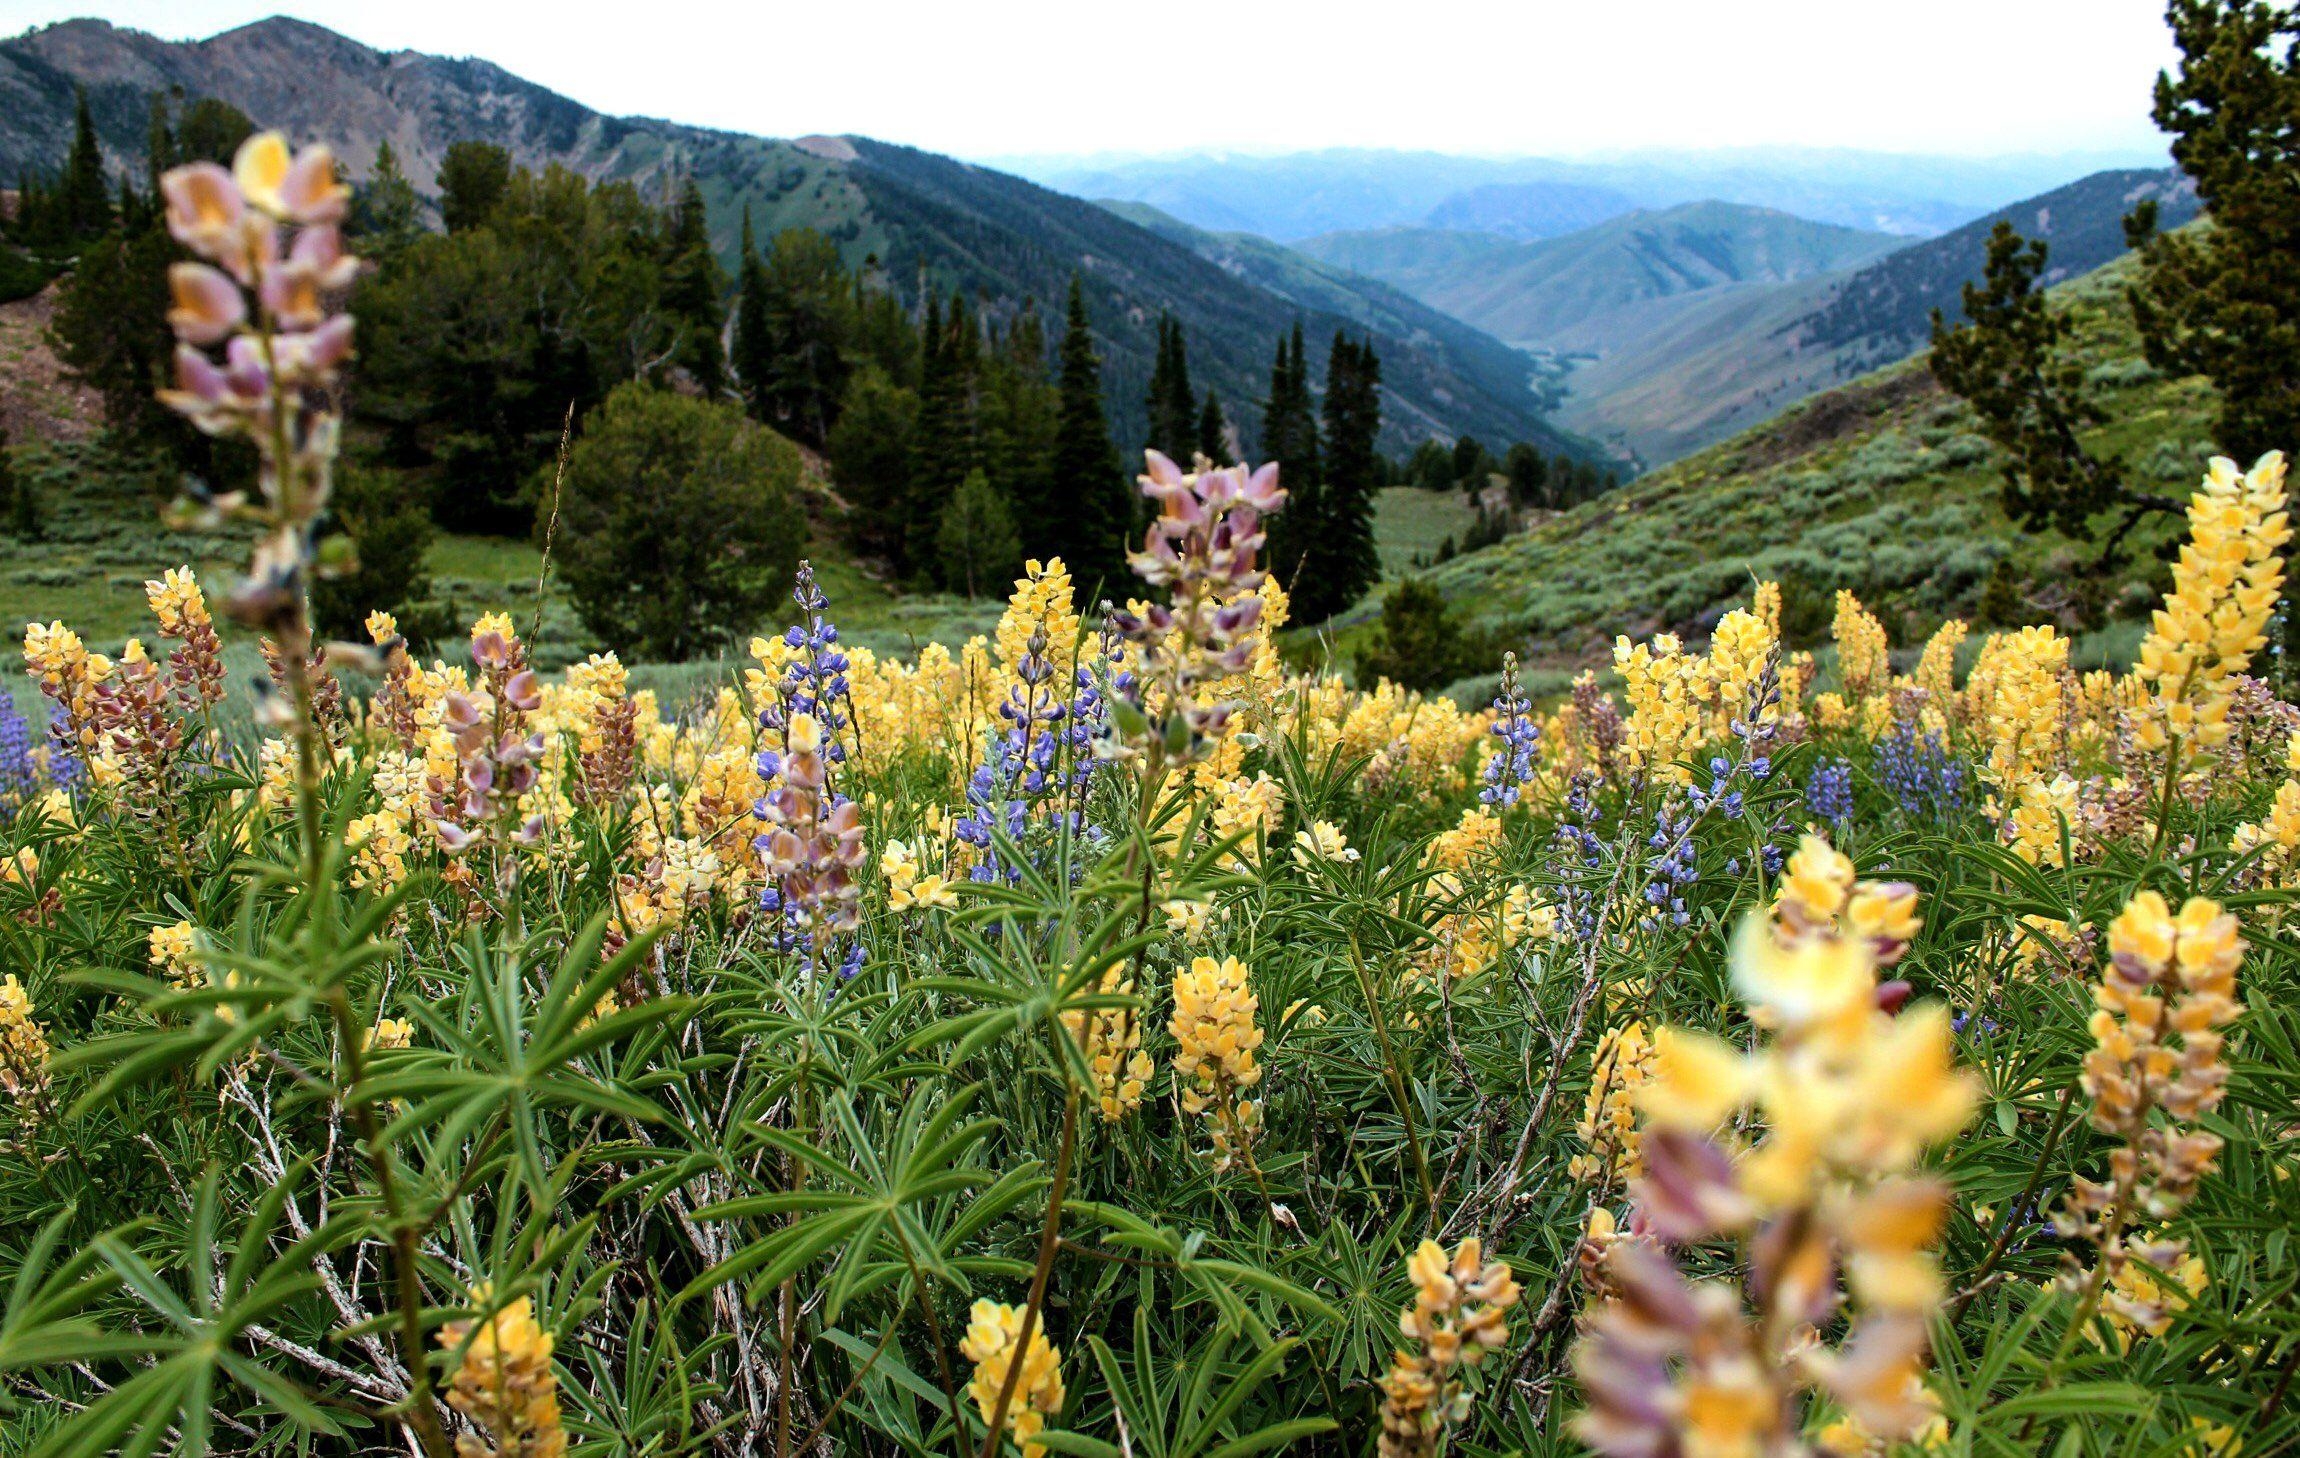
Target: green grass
104	537
1411	524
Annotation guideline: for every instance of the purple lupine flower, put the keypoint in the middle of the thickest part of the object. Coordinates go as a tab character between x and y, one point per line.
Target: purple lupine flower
1511	764
1829	791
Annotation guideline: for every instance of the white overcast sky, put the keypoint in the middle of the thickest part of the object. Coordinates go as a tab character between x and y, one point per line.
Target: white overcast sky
1007	77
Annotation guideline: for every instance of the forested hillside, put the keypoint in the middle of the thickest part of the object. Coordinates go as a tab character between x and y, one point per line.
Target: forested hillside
928	220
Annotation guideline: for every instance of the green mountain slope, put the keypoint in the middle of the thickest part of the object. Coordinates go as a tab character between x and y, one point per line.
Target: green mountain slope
1368	303
925	218
1880	486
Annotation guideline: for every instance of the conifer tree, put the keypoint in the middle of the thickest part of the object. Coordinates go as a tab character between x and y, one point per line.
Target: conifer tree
1339	562
473	178
1089	508
1213	431
1290	437
1018	411
386	214
84	197
2224	302
1173	407
979	548
751	348
871	452
691	289
805	298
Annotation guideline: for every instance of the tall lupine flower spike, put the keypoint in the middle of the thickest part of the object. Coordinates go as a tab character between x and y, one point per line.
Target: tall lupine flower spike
1459	1313
814	853
23	1054
1216	1033
1203	548
1848	1096
2224	591
2167	977
1511	764
283	345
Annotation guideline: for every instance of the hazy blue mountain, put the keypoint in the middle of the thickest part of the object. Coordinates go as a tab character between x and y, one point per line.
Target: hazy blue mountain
1560	294
1530	210
1296	195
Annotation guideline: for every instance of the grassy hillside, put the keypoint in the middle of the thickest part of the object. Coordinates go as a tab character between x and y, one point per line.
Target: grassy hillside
924	217
1880	486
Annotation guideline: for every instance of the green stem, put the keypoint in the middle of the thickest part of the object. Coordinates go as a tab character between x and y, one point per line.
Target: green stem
1049	1242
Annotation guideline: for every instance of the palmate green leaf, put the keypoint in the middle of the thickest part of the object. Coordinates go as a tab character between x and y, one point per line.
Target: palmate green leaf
488	1057
188	1353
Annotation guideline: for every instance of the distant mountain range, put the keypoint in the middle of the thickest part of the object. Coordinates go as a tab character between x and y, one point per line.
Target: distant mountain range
1562	294
1299	195
1678	328
926	218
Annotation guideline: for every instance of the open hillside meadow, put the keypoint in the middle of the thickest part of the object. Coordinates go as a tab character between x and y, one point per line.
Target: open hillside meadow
1081	1018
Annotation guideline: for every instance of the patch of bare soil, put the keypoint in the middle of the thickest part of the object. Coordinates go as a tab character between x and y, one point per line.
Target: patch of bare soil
38	399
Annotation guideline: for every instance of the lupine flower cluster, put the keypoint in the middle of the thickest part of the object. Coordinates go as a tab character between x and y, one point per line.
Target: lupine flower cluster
1918	771
1511	764
1110	1038
1829	792
1849	1096
1608	1127
2168	977
504	1382
815	848
1460	1312
992	1330
2224	590
271	309
1216	1034
23	1054
1202	548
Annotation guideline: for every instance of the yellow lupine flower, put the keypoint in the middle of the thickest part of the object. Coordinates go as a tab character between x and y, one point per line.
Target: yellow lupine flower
991	1331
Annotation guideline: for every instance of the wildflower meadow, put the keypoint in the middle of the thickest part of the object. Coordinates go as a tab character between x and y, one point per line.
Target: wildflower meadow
1107	1039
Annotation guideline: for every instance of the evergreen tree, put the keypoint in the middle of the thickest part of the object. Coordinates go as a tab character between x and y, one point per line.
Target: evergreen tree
806	301
84	196
979	548
386	214
947	444
871	456
751	349
1173	406
1338	562
1085	518
1018	410
691	290
472	180
1290	437
1471	464
1528	476
1213	431
2011	362
2224	302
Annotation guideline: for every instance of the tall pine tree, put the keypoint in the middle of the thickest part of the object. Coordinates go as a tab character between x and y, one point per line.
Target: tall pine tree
1173	407
84	198
691	287
751	348
1213	431
1089	508
1290	437
1339	563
